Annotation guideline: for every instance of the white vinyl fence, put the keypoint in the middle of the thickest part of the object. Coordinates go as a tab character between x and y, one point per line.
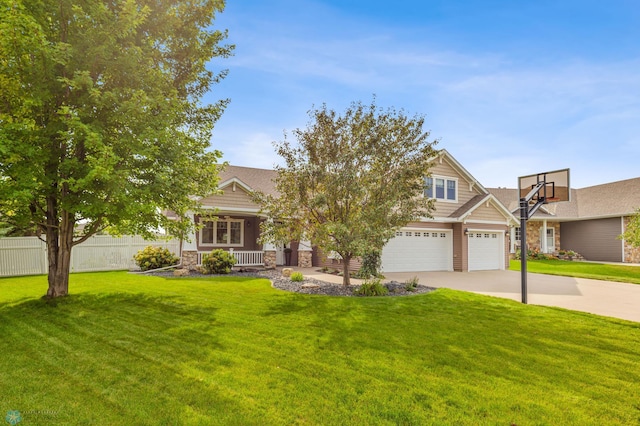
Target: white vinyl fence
28	255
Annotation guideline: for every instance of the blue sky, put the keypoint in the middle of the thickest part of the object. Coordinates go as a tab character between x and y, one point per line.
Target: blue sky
509	88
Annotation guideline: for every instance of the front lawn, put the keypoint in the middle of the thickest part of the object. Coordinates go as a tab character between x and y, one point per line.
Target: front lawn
126	349
596	271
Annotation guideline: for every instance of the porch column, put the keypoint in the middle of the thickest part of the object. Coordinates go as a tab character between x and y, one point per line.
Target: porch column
304	254
512	239
543	237
269	255
189	256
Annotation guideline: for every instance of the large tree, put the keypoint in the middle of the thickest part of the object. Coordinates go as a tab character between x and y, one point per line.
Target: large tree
351	180
101	119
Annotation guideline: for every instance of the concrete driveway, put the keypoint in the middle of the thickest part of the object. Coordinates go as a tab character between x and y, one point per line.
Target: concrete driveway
607	298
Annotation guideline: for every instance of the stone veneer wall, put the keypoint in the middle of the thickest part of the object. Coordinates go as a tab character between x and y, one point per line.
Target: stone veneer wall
189	259
304	259
631	254
533	234
269	259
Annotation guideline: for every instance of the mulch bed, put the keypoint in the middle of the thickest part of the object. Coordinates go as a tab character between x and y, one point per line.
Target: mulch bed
313	286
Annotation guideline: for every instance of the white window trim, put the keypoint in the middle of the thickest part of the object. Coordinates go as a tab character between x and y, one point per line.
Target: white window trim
433	188
215	231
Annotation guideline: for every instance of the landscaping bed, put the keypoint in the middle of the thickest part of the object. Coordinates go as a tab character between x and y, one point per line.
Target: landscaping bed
312	286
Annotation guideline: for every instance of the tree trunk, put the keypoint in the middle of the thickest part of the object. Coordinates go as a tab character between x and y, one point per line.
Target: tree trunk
59	244
346	278
59	274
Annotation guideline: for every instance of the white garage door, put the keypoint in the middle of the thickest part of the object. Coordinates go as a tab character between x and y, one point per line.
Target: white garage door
418	250
486	250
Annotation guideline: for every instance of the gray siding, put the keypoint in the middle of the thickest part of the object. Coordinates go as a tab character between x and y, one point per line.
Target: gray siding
594	239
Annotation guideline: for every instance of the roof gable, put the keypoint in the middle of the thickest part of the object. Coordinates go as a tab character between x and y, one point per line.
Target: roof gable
478	203
249	178
233	183
444	157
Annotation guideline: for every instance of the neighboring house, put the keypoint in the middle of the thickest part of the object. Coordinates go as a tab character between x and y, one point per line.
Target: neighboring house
588	224
469	230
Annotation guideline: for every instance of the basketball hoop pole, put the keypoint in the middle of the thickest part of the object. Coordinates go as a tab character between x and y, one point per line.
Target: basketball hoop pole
525	214
524	209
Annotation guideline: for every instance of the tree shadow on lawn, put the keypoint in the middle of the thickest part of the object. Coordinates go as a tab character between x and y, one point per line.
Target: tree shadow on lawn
140	315
160	348
336	322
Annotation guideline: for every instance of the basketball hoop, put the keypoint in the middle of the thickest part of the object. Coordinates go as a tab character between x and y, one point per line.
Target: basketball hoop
536	190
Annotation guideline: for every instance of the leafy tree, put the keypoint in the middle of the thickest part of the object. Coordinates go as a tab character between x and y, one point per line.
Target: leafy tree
350	181
632	232
101	121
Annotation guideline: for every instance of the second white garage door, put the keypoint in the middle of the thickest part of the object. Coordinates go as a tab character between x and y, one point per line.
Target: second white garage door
486	250
418	250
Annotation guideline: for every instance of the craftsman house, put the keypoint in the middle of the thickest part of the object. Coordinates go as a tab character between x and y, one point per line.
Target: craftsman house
469	230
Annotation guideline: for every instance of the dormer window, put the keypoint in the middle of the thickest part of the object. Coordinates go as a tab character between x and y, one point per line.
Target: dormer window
441	188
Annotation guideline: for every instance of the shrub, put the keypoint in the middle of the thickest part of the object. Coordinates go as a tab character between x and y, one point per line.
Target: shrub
372	288
217	262
411	284
297	277
154	257
534	254
371	262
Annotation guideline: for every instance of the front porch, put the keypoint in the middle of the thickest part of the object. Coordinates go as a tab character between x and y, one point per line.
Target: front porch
239	234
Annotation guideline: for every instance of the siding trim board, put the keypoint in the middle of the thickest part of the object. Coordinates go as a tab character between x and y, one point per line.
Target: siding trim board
622	240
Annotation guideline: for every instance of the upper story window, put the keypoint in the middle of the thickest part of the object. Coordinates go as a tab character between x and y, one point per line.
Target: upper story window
441	188
222	232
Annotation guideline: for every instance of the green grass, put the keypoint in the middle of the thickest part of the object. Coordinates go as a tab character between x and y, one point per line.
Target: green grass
126	349
596	271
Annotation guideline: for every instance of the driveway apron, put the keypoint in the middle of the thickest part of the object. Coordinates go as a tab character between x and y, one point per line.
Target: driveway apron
618	300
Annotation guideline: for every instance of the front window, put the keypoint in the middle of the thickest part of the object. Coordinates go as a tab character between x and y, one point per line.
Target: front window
441	188
517	234
222	232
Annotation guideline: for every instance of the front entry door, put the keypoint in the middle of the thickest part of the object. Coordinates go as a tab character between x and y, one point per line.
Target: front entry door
280	254
550	240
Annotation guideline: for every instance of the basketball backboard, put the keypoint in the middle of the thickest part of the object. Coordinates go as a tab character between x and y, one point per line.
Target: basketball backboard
556	186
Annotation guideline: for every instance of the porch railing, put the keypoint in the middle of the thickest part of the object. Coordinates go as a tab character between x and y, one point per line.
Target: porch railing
243	257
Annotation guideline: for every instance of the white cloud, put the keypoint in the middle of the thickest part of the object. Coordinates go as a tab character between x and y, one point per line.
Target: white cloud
251	150
501	117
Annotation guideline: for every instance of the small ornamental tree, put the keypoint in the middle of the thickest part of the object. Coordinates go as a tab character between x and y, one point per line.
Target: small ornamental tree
101	120
632	231
350	181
